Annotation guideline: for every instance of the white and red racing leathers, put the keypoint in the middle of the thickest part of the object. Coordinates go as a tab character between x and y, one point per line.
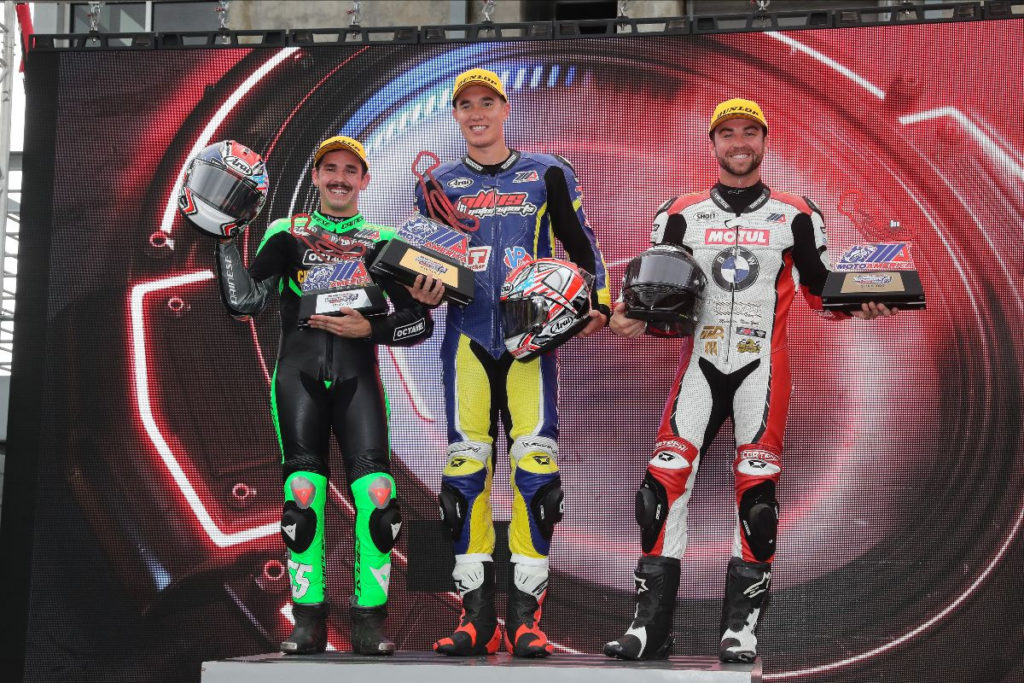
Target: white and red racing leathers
756	246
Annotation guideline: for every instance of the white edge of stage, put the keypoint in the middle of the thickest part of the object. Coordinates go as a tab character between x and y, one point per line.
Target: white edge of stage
427	667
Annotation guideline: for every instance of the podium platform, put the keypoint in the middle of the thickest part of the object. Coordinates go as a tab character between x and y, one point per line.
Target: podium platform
427	667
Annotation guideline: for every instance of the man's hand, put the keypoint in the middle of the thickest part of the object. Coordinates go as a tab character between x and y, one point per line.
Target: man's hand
351	324
623	326
870	311
427	290
597	321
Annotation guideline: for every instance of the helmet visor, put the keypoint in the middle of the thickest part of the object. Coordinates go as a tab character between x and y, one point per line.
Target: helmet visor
224	191
519	316
663	268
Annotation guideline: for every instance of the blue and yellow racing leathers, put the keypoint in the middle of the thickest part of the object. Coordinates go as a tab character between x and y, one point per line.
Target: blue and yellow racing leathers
523	204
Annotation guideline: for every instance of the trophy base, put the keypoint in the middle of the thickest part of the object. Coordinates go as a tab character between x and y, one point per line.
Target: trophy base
368	300
402	262
846	291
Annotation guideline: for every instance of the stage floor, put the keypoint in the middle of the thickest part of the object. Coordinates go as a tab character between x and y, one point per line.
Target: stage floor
427	667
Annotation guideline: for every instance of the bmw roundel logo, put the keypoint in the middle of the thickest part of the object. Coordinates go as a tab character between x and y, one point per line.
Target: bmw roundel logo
735	269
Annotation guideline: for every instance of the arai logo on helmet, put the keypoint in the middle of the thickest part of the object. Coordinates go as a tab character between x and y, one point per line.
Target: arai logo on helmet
238	165
562	324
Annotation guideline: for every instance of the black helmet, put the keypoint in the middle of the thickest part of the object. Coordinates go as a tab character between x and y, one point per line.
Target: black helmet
665	286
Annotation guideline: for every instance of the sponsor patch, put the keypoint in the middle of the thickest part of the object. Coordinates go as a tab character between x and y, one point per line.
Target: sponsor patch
712	332
526	177
711	348
477	258
410	330
459	183
514	256
751	332
705	216
669	455
775	218
749	346
726	236
494	203
759	454
735	269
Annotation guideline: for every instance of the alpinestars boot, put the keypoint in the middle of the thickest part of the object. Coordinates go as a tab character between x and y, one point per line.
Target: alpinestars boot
477	632
368	631
746	597
526	592
310	633
650	634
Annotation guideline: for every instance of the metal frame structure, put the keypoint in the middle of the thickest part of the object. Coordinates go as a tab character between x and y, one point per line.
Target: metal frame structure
9	210
757	20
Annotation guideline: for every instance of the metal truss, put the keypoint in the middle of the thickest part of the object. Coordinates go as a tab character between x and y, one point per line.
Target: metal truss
9	210
757	20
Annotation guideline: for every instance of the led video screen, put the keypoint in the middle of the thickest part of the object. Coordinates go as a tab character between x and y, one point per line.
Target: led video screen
902	494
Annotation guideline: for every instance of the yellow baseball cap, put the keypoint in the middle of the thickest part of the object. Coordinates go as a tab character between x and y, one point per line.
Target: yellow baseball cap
483	77
737	108
341	142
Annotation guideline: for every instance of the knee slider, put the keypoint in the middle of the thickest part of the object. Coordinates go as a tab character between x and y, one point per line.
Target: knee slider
548	506
651	510
298	526
386	525
759	519
453	507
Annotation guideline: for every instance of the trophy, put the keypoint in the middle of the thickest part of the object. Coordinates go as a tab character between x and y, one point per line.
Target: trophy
429	246
883	273
340	280
329	287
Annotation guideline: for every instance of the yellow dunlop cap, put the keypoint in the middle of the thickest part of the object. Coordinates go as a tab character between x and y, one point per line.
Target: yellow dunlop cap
737	108
341	142
483	77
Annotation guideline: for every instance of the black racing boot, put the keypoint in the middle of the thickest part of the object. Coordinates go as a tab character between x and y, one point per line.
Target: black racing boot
650	634
310	633
367	631
528	585
746	598
477	632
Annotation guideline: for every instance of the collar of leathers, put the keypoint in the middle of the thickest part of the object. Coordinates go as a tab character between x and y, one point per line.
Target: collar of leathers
494	169
723	203
334	224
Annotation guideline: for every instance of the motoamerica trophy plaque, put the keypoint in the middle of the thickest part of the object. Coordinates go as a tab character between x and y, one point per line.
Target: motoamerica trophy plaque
425	247
437	246
329	287
883	273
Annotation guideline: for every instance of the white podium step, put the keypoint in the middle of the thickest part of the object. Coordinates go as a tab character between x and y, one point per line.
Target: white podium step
427	667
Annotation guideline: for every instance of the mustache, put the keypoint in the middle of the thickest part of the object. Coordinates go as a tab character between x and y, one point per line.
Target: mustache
340	186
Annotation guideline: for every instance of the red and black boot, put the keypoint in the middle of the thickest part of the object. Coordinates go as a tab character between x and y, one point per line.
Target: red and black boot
528	585
477	632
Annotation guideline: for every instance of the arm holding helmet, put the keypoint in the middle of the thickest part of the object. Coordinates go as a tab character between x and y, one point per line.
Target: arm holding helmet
569	223
245	292
669	228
